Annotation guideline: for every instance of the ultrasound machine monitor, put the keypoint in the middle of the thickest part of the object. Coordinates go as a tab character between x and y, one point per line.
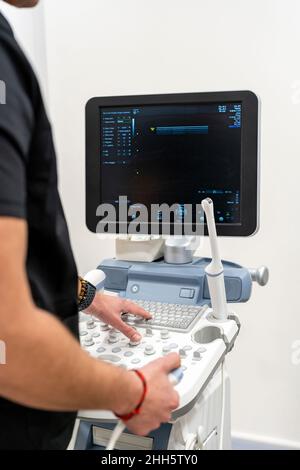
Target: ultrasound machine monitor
175	149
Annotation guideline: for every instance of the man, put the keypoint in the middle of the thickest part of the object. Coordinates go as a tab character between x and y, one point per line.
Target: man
48	376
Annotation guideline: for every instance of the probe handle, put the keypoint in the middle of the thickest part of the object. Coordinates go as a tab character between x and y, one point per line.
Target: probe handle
214	271
217	292
175	376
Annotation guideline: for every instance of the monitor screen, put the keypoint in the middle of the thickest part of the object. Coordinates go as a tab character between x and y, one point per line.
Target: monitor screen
153	151
173	154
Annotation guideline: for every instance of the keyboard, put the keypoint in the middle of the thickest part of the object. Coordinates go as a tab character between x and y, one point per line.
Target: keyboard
177	317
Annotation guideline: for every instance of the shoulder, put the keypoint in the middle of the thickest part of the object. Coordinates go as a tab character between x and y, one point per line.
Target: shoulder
18	82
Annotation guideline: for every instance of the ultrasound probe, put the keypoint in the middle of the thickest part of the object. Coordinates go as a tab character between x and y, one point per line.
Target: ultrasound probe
214	271
175	377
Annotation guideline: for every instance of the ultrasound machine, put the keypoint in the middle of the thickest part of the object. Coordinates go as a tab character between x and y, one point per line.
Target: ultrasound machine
197	149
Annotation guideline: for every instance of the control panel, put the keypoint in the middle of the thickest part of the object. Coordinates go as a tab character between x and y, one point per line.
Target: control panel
201	349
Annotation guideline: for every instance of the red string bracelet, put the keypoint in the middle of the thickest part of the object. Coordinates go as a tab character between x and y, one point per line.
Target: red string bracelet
136	411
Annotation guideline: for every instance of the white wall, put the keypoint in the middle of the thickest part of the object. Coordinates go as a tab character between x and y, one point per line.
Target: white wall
133	46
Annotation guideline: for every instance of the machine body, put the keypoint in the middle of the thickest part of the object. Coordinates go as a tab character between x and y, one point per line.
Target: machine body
145	154
203	417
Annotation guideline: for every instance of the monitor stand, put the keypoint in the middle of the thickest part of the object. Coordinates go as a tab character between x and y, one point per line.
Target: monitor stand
180	249
139	248
149	248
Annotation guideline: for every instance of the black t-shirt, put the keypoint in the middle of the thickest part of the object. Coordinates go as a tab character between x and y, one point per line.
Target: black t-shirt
28	190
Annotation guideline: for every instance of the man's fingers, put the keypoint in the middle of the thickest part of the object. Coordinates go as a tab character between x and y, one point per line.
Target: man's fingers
170	361
135	309
127	330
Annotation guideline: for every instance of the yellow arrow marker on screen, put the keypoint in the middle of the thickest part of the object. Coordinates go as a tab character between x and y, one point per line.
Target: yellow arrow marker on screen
152	129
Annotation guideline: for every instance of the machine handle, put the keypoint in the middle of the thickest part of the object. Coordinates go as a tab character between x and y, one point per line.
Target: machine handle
260	275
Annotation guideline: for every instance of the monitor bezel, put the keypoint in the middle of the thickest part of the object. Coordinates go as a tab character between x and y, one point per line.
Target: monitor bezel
250	151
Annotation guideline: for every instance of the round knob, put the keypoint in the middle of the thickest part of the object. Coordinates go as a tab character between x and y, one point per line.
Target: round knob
166	350
131	319
136	360
182	353
128	353
104	327
134	343
112	337
88	342
260	275
90	324
164	334
149	349
149	332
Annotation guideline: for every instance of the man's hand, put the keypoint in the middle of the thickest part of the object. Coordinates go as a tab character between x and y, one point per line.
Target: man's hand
161	398
109	309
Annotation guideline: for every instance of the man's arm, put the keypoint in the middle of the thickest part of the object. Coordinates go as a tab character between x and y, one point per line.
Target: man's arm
46	368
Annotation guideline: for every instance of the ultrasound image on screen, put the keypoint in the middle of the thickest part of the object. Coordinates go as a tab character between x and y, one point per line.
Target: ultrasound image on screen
173	154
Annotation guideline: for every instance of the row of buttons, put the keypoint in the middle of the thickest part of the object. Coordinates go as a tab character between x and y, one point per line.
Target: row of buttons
149	350
197	355
115	358
160	306
114	334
